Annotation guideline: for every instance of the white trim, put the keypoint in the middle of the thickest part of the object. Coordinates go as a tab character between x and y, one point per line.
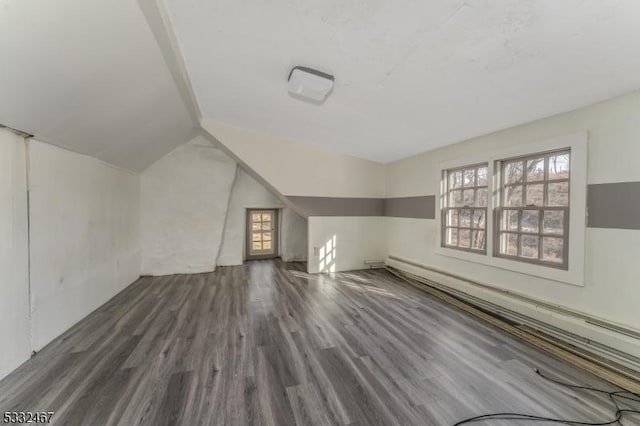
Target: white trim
577	206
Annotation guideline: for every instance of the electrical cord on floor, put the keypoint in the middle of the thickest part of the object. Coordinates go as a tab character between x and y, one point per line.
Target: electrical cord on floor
626	395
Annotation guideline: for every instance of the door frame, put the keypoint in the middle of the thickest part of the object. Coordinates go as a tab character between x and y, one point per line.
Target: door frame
275	236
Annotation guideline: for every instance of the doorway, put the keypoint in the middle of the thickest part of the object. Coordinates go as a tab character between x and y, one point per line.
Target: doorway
262	234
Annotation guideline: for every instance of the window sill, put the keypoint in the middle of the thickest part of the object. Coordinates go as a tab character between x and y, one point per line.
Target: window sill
571	277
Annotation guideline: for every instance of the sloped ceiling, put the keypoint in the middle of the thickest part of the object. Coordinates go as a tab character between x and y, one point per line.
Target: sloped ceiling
411	75
89	76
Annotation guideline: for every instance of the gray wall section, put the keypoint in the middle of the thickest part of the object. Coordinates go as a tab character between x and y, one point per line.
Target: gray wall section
334	206
614	205
611	205
423	207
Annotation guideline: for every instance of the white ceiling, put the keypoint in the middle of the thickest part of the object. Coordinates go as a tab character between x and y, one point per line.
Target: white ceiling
89	76
411	75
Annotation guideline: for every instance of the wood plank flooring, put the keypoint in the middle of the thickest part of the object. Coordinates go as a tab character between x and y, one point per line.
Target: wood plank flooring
266	343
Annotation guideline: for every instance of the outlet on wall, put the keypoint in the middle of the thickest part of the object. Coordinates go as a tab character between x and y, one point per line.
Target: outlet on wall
316	251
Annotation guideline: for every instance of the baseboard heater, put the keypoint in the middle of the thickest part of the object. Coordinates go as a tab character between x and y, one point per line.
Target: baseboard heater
608	363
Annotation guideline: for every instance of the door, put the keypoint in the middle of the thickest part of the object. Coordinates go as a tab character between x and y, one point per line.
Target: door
262	233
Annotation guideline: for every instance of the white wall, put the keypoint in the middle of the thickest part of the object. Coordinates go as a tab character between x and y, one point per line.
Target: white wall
14	287
293	243
610	287
249	193
184	199
84	237
344	243
297	169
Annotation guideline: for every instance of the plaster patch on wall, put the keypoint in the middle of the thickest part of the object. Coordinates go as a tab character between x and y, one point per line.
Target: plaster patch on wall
185	196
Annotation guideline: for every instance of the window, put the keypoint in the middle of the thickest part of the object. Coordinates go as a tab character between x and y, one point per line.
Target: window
464	216
532	219
262	234
535	208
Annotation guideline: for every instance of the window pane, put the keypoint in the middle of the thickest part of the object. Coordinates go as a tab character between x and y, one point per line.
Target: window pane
266	217
477	240
553	222
469	177
452	236
481	197
256	236
529	246
479	219
455	179
464	238
510	220
255	217
552	249
513	196
266	226
482	176
256	246
266	236
513	172
535	195
530	220
535	169
452	218
531	226
559	166
266	245
455	199
468	197
465	218
509	244
558	194
255	226
461	207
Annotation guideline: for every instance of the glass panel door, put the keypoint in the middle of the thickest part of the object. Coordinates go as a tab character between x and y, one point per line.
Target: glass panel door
262	231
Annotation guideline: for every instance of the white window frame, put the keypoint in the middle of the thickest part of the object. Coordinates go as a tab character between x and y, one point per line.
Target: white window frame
574	275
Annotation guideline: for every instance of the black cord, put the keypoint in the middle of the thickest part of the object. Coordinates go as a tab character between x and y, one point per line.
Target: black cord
613	399
569	385
528	417
532	418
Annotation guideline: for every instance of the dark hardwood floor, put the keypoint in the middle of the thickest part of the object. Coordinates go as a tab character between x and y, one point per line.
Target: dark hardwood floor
266	343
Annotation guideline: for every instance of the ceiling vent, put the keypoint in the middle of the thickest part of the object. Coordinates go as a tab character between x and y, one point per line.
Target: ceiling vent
309	84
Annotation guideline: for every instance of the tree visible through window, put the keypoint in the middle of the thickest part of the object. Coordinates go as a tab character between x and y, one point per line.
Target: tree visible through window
532	221
464	215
